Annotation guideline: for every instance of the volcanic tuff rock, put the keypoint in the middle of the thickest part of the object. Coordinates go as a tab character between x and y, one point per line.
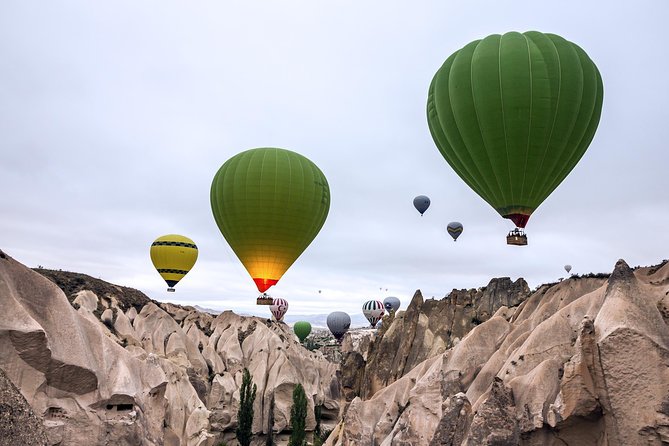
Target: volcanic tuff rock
18	422
582	362
105	368
426	329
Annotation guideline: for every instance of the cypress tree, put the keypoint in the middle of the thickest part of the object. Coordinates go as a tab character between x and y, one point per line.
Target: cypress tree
298	417
247	396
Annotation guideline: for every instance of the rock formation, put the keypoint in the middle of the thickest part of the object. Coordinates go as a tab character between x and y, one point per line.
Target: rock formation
110	366
18	423
426	329
581	362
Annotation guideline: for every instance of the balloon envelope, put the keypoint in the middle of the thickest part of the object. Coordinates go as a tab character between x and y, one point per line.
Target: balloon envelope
269	204
391	303
454	228
173	256
338	323
373	311
421	203
302	329
567	268
278	308
512	114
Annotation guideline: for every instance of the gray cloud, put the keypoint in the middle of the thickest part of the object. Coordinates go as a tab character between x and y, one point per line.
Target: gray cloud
114	118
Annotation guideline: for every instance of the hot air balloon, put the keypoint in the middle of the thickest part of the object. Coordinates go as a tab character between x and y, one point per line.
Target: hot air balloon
391	303
338	323
173	256
302	329
278	308
512	114
373	311
269	204
567	268
421	203
455	229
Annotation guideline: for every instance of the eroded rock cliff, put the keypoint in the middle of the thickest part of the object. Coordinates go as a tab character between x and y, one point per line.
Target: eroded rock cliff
427	328
105	367
582	362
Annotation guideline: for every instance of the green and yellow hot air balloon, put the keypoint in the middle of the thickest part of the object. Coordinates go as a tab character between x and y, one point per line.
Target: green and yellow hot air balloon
513	114
269	204
173	256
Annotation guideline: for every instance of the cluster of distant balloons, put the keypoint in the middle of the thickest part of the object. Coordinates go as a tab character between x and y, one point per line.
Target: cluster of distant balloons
511	114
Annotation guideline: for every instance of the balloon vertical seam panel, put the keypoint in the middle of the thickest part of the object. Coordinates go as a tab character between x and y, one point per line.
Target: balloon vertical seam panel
486	189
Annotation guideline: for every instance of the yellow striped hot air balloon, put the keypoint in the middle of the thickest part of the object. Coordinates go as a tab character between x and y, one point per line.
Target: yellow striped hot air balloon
173	256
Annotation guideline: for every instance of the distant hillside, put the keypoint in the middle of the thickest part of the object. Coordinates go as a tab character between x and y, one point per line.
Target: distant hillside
71	283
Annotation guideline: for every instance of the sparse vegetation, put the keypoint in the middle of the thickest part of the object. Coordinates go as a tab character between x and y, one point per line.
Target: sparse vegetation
298	417
71	283
247	395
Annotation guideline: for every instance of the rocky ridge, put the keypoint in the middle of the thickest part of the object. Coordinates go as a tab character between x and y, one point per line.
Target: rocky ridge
102	368
427	328
581	362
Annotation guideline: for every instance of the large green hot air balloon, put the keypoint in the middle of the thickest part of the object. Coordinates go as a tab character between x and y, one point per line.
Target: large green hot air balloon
513	114
269	204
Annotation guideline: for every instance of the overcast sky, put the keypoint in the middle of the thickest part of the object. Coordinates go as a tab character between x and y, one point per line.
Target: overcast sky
115	115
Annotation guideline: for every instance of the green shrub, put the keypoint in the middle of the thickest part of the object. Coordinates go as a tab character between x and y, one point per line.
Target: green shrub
247	396
298	417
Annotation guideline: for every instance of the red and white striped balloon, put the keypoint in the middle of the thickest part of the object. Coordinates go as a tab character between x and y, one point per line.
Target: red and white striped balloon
278	308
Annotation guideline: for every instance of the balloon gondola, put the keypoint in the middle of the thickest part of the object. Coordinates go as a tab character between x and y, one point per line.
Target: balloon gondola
516	237
264	299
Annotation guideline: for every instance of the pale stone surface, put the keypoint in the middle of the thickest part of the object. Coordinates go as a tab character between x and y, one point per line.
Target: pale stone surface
177	380
581	362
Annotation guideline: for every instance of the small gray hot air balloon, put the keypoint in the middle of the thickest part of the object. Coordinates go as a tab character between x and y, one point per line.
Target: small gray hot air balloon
421	203
567	268
373	311
391	303
455	229
338	323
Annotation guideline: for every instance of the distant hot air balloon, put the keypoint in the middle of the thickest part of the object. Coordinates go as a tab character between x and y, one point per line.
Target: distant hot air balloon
302	329
373	311
173	256
512	115
338	323
421	203
269	204
391	303
278	308
455	229
567	268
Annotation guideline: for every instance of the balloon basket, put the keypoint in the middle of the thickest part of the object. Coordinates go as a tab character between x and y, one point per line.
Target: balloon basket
516	237
264	299
170	290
